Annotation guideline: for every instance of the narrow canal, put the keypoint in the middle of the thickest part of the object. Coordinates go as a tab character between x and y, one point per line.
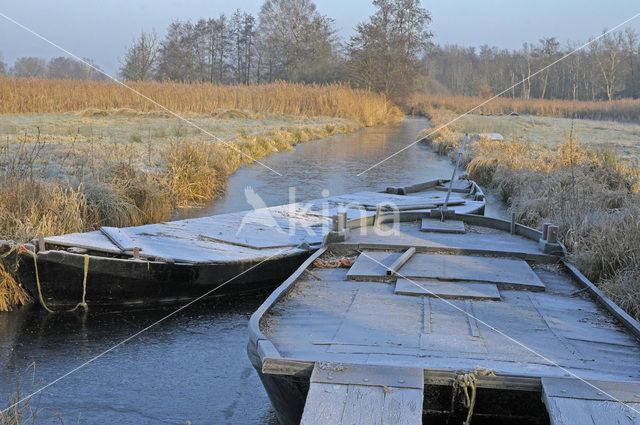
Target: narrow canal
193	366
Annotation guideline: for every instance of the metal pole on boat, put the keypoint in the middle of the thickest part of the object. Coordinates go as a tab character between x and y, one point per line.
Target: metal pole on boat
453	176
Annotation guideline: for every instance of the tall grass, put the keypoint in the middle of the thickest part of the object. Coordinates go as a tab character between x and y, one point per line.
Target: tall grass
22	95
618	110
590	194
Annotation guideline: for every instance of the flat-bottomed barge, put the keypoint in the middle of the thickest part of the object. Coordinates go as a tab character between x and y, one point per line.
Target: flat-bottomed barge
401	321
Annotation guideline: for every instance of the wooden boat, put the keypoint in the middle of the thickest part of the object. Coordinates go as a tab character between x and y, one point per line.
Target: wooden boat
423	317
227	253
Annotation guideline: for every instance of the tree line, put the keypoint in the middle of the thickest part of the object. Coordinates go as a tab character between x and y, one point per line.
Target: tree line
60	67
288	40
390	52
608	68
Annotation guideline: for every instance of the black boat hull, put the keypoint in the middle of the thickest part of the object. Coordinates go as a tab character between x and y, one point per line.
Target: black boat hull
287	394
114	281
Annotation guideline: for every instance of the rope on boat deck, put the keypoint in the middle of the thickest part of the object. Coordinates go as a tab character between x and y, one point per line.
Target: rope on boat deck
82	303
468	380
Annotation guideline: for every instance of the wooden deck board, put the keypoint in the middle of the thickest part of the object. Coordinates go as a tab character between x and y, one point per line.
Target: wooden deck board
573	402
457	267
363	395
372	264
439	289
409	234
435	225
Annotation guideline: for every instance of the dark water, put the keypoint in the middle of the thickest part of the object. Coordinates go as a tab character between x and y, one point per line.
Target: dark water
193	366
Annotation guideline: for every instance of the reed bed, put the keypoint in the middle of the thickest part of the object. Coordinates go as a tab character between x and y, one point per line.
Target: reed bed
590	193
23	95
617	110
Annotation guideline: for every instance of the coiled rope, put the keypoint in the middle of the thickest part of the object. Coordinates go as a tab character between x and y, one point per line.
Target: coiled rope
83	303
468	380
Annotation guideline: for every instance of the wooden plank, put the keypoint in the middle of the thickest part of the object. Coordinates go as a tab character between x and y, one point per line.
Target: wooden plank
400	261
359	394
358	374
325	404
372	264
632	325
402	407
435	225
471	318
452	343
566	411
447	290
485	269
568	345
364	325
621	391
426	315
432	376
120	238
363	406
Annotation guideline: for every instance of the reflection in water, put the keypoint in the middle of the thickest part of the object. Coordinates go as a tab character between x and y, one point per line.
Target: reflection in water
193	367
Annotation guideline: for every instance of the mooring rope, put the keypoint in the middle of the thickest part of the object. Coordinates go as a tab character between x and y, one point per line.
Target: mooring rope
35	265
468	380
8	253
82	303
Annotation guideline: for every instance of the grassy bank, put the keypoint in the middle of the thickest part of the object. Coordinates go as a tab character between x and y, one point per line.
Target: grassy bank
627	110
585	188
75	155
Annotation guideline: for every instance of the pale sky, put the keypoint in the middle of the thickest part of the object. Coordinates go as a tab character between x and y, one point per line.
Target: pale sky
102	30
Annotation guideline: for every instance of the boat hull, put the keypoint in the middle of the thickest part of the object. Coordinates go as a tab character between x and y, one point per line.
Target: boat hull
287	393
114	281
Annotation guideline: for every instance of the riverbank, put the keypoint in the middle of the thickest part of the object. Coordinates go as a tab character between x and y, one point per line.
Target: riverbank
121	161
589	188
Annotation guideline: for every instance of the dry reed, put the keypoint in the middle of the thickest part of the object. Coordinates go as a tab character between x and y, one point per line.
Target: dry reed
12	294
590	194
618	110
22	95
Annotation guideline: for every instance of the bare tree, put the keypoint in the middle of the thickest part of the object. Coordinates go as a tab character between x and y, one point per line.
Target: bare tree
139	61
243	34
631	46
296	38
385	51
547	52
607	57
29	67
